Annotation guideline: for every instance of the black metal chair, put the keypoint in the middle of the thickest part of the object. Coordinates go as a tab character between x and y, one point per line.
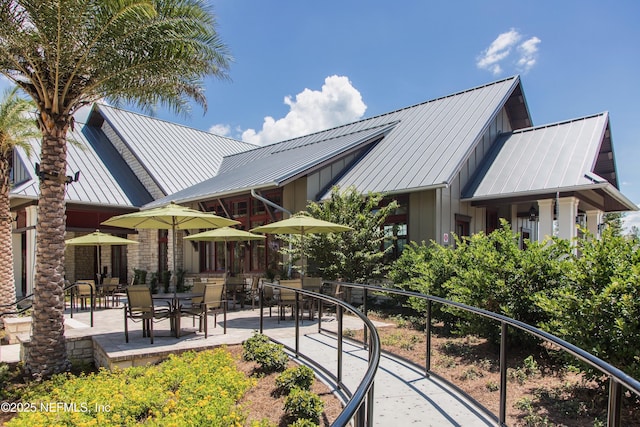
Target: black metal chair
140	307
212	301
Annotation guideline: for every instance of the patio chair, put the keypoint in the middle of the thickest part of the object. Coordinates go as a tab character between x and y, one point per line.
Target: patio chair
287	298
235	290
110	286
254	291
86	290
212	300
313	284
139	307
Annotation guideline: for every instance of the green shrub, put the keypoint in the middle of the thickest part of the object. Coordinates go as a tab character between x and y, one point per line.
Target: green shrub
598	307
303	404
191	389
270	356
301	377
250	346
303	422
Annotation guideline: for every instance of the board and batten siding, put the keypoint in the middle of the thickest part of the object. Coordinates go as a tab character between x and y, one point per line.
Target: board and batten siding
447	199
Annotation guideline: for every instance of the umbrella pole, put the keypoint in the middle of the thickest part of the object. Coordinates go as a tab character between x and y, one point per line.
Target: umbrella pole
174	277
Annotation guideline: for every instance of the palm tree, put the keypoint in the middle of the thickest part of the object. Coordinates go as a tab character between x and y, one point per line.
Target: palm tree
69	53
17	126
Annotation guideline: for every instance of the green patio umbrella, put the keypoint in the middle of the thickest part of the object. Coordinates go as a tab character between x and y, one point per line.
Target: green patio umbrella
170	217
301	224
226	235
99	239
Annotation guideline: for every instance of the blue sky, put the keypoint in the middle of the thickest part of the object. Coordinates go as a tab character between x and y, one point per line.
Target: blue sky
300	66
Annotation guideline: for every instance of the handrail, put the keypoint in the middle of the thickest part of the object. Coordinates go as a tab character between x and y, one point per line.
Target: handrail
617	377
30	298
356	406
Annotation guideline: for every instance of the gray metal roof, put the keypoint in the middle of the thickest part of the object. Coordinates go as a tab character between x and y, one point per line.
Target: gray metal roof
175	156
426	146
564	156
431	141
273	165
102	181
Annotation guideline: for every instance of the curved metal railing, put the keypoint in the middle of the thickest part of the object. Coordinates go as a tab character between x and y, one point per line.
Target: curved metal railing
617	378
360	404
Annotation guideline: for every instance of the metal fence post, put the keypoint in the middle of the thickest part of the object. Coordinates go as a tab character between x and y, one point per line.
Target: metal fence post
503	374
615	400
339	315
428	332
297	324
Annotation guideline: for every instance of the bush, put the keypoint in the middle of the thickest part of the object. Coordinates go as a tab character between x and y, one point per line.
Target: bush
303	404
303	422
301	377
270	356
598	307
191	389
484	271
251	345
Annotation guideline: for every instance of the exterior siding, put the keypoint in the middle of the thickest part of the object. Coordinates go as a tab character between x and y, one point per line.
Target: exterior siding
422	221
294	195
450	203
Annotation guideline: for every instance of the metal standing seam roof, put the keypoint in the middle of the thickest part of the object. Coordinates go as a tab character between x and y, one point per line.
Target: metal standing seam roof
431	142
273	165
99	183
550	158
176	156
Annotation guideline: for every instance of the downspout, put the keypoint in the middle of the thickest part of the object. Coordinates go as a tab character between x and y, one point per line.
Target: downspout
277	207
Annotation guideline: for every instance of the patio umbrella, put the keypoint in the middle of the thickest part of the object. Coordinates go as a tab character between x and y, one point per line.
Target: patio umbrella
99	239
170	217
301	224
226	235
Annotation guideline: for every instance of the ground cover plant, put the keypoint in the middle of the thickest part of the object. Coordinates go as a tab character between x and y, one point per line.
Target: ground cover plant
209	388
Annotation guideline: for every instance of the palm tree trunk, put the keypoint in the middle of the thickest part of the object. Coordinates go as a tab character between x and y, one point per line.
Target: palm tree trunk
7	282
47	353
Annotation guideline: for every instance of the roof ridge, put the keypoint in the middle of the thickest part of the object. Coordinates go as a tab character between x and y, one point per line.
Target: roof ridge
147	116
560	123
380	115
382	125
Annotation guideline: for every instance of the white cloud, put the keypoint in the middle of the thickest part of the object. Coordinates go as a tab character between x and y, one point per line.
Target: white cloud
337	103
501	49
528	54
631	219
220	129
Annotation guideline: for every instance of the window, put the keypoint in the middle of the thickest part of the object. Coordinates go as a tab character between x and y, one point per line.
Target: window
395	236
242	256
395	228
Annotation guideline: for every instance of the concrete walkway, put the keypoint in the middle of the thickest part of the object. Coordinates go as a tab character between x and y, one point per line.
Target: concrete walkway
402	394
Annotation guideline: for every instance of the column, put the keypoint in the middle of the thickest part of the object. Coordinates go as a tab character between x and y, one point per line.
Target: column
545	219
514	218
594	219
32	219
568	210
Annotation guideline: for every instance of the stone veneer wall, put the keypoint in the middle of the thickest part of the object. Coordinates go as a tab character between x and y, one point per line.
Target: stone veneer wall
79	349
133	162
143	256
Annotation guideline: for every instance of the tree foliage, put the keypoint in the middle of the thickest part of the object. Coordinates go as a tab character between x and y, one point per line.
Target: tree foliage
598	307
587	294
69	53
17	126
354	256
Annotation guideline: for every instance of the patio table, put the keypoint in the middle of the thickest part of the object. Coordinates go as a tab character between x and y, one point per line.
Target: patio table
174	301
